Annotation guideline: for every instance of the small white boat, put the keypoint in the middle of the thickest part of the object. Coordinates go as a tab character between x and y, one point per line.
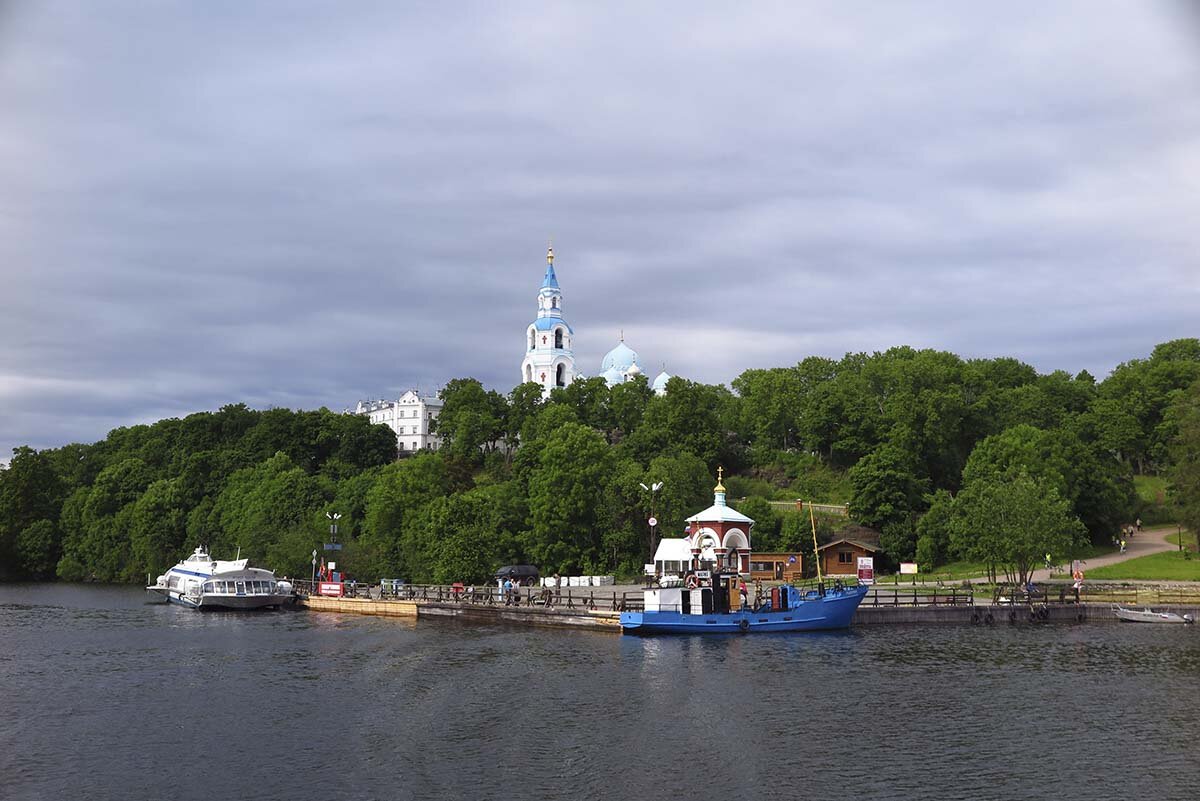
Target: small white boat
201	582
1150	616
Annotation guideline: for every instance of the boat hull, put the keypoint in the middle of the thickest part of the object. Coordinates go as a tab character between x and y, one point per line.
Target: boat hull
1149	616
234	602
833	611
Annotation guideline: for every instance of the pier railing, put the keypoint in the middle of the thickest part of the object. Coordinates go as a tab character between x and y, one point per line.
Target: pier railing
622	599
572	598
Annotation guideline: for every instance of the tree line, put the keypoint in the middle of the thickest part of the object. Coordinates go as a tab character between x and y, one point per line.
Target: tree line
948	458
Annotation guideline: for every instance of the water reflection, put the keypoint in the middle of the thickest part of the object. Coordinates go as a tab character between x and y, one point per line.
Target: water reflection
400	709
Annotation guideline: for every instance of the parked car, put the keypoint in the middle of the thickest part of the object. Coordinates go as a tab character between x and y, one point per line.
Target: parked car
524	575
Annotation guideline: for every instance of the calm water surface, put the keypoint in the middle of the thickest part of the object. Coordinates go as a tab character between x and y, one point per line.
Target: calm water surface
108	697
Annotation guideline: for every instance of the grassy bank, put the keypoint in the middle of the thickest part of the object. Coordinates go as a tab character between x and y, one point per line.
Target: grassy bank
1166	566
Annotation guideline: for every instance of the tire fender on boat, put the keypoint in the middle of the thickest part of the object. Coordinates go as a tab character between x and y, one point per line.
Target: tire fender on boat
744	624
989	619
975	618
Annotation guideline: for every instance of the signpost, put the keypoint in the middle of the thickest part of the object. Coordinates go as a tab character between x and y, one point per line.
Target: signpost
866	570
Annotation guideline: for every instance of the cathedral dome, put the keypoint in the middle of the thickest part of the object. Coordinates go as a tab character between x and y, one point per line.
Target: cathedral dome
633	370
612	376
660	383
620	358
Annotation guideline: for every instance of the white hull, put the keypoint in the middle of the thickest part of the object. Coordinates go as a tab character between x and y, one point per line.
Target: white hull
1149	616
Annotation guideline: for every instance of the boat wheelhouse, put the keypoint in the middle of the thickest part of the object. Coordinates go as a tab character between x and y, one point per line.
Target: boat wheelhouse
202	582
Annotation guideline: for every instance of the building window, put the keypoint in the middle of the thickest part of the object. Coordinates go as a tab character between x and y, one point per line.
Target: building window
560	375
414	446
845	557
558	339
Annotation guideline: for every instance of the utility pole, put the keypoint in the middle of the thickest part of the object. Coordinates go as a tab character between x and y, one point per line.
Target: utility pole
653	521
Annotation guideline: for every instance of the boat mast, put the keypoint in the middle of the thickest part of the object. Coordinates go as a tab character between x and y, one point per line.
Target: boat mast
816	556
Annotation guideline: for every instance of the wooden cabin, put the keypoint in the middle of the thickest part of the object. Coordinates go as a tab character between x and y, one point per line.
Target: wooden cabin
840	557
777	566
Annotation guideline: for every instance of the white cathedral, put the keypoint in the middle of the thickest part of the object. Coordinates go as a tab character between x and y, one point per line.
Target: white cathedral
549	357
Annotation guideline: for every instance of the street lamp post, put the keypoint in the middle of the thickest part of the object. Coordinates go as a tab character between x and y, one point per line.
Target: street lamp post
653	490
333	544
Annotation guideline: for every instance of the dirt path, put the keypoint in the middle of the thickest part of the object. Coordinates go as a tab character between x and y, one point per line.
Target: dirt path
1151	540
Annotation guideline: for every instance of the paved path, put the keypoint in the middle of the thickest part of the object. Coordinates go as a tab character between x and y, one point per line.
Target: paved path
1151	540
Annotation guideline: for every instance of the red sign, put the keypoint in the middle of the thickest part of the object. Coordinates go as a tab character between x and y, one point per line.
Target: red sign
866	570
331	588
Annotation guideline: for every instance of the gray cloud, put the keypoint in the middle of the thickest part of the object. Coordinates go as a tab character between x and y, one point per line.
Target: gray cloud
295	205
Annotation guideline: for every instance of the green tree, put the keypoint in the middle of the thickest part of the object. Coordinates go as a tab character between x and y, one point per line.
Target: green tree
565	493
1012	522
471	419
886	487
934	531
31	490
1185	453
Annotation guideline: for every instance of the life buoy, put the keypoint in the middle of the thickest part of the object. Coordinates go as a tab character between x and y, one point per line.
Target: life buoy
744	624
1077	575
692	582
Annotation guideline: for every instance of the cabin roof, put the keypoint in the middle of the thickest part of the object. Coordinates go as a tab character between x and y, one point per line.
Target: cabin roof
849	541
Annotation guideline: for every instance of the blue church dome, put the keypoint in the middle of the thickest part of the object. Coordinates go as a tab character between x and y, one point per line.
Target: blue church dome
612	376
660	383
620	358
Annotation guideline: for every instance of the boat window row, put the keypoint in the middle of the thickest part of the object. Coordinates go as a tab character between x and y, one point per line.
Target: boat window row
239	587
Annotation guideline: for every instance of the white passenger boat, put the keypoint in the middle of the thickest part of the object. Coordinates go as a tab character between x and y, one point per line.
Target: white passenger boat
1149	616
202	582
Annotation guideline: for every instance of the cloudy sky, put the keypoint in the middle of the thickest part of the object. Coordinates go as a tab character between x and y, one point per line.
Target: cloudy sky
302	204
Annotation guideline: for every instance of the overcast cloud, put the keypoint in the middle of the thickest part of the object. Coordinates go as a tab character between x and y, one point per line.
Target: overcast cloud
304	204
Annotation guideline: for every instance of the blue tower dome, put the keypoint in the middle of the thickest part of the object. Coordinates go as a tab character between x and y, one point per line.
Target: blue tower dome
660	383
621	358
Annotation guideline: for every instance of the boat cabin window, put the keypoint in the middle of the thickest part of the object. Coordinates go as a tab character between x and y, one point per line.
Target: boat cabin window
241	587
208	587
173	582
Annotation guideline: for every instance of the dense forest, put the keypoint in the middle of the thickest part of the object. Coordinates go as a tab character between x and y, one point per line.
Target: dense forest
946	458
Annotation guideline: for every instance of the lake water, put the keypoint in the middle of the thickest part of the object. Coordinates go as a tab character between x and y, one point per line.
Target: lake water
108	697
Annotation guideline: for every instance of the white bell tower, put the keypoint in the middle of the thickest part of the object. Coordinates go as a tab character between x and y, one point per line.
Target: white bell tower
549	358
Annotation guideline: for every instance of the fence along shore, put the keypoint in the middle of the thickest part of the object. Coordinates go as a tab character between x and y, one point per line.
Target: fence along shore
599	608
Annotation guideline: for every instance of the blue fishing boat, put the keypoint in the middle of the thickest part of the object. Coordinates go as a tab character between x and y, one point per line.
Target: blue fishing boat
705	610
714	598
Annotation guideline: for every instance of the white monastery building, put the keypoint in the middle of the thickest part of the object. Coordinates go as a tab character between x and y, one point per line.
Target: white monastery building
409	417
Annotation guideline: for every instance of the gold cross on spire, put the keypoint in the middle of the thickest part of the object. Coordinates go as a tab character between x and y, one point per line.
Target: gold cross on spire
720	477
550	253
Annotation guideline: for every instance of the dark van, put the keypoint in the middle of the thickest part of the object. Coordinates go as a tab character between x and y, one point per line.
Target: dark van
525	575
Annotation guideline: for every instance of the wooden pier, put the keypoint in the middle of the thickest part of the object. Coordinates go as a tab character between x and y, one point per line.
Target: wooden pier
599	609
